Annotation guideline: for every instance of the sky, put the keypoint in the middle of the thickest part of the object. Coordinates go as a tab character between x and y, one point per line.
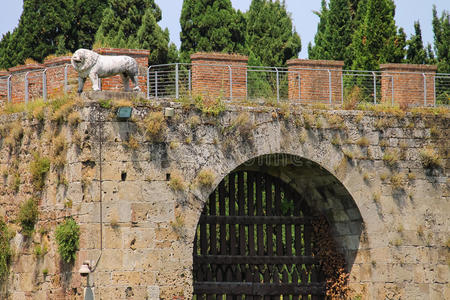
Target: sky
304	20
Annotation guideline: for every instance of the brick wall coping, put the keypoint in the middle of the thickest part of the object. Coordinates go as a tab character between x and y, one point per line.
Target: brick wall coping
311	63
122	51
61	60
217	56
408	68
25	68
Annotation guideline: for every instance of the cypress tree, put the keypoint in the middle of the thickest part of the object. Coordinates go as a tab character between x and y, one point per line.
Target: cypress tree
133	24
416	53
49	27
441	30
210	25
334	32
270	35
377	40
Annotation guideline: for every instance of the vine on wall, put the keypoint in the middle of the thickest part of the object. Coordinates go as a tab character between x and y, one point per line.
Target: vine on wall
331	261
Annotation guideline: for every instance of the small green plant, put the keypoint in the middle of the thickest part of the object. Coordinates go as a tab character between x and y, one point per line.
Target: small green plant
363	142
68	203
376	197
74	118
105	103
155	126
68	239
178	226
209	105
391	157
397	180
309	120
383	143
400	228
383	123
40	251
244	125
132	143
411	176
5	250
336	141
39	168
176	182
205	177
335	121
430	158
45	272
359	117
384	176
194	121
302	137
435	132
28	216
16	182
348	154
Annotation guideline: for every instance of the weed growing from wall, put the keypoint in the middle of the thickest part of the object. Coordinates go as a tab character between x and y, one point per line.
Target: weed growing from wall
39	168
430	158
155	126
5	250
28	216
205	177
68	240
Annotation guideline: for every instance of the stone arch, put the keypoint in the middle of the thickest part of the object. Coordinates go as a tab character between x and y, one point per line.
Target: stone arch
322	191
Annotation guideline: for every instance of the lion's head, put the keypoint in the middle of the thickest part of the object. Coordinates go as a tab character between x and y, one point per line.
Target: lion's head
83	59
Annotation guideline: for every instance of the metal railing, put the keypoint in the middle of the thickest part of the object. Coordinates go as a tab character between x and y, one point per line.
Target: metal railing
251	83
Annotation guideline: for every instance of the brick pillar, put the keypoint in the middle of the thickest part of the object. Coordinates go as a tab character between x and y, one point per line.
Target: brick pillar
19	73
406	83
55	75
309	80
4	86
211	75
114	83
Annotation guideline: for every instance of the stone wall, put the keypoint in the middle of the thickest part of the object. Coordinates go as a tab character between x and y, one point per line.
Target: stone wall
355	167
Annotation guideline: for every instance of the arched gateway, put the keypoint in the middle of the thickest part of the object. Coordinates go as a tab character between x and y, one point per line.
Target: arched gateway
255	237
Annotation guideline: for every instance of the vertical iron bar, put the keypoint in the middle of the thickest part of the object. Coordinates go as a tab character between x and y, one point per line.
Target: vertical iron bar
44	85
176	81
148	82
374	88
26	88
278	86
189	81
329	86
231	83
392	97
8	86
65	79
434	91
156	84
342	88
424	89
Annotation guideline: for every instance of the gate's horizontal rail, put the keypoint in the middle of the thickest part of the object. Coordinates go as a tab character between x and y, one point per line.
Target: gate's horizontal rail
259	289
254	260
250	220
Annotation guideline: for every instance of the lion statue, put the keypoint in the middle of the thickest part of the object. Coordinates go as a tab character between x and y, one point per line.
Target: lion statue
88	63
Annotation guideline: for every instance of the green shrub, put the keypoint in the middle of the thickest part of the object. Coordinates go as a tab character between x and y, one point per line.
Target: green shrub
68	239
39	168
28	216
5	250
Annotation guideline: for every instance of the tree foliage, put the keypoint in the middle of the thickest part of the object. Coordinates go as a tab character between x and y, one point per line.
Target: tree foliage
269	35
334	32
49	27
68	239
134	24
441	30
210	25
377	39
416	53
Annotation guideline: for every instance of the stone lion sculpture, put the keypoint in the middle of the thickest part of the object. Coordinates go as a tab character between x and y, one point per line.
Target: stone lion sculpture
89	63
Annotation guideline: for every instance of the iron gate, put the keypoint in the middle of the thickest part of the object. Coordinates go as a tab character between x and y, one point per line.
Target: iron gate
254	239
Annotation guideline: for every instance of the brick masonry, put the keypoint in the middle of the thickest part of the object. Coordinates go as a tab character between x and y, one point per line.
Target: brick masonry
394	236
310	80
408	82
211	75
